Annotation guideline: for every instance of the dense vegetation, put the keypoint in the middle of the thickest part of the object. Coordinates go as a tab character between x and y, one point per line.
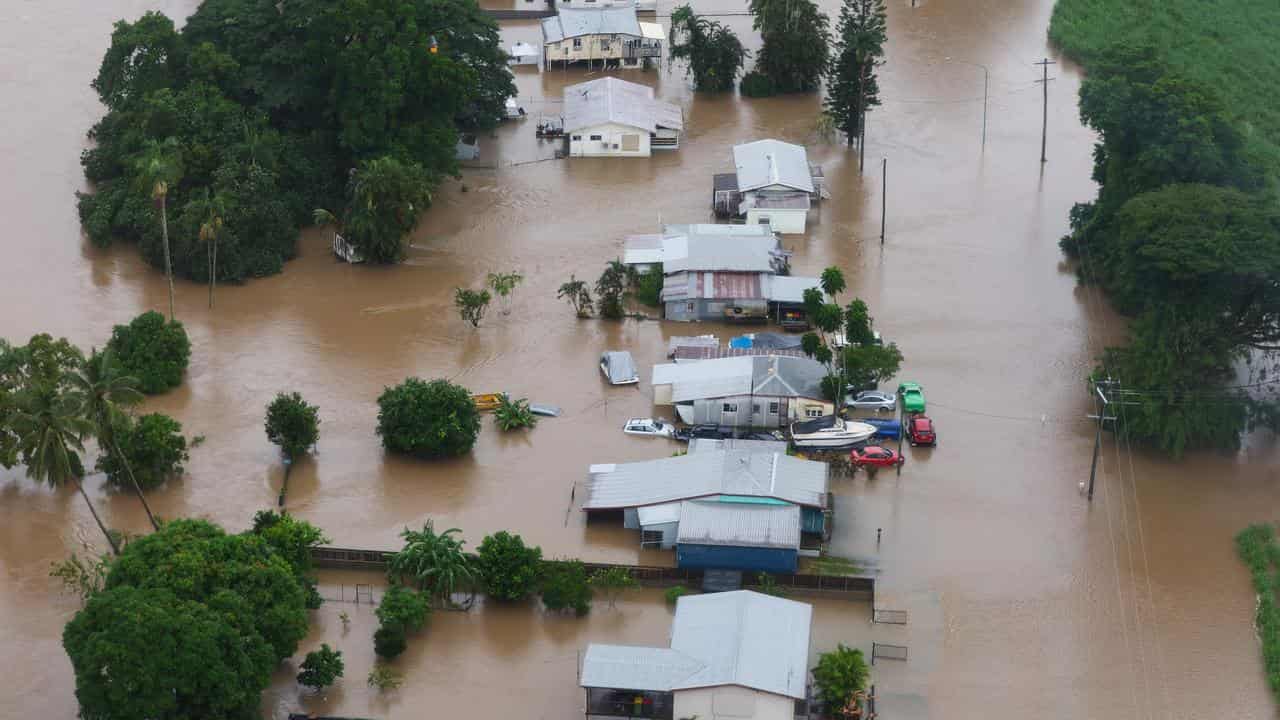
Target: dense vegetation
1259	550
321	668
1184	240
256	113
713	51
565	586
292	424
841	677
844	341
795	47
147	451
851	80
401	612
153	351
428	419
509	568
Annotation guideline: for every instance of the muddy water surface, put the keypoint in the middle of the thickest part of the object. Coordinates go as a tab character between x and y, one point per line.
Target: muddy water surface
1024	600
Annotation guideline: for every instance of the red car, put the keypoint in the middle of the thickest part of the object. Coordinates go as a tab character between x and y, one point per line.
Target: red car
920	431
876	457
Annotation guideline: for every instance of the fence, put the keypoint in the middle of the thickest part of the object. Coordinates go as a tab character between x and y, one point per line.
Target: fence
887	652
889	617
360	593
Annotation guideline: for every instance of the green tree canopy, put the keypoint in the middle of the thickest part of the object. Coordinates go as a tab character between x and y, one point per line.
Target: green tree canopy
510	570
321	668
292	424
152	350
852	87
434	562
840	675
565	587
433	419
293	540
153	448
796	44
713	51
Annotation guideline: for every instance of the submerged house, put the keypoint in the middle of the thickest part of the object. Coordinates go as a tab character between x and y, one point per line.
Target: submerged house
772	184
610	35
736	654
743	392
608	117
718	272
736	507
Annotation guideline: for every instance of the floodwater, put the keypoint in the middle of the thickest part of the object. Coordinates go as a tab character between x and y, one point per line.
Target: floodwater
1024	600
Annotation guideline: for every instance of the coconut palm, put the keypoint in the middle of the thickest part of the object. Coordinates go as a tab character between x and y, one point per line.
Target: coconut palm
103	391
158	167
435	563
51	426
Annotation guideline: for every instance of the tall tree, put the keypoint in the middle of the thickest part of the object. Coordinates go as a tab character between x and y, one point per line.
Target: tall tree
713	51
212	209
851	81
157	167
796	43
104	391
435	562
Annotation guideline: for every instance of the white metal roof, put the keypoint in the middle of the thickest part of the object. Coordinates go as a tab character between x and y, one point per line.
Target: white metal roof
707	379
652	31
706	474
658	514
739	524
642	249
713	444
790	288
610	100
523	49
731	638
571	22
771	162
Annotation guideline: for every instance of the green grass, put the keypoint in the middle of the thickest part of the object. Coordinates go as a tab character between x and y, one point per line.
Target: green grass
1258	548
830	565
1230	46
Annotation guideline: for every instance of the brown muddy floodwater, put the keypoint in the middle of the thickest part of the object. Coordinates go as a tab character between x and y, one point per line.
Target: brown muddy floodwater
1024	600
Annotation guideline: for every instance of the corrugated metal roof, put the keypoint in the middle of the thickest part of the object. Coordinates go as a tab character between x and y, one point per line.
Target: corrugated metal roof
729	254
678	341
691	353
744	638
658	514
652	31
774	375
625	667
609	100
787	377
668	115
713	444
642	249
706	474
772	162
671	373
571	22
728	285
776	201
741	525
790	288
620	365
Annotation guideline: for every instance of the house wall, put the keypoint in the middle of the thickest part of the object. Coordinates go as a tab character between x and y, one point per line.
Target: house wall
695	309
595	48
783	222
730	702
609	134
751	559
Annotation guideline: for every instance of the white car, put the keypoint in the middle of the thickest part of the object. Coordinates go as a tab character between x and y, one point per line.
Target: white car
874	400
649	426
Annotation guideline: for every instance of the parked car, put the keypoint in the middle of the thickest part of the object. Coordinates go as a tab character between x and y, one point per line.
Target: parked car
706	431
877	400
875	456
649	426
920	431
912	397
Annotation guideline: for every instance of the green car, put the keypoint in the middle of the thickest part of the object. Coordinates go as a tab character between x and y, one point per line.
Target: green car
912	397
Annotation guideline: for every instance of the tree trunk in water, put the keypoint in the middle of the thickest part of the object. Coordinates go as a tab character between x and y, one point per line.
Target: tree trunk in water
213	276
137	489
168	266
115	549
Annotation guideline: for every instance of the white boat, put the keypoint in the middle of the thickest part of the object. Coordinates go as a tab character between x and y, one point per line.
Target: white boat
829	432
513	109
523	54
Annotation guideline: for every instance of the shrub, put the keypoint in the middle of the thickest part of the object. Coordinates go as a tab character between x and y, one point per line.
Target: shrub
152	350
404	608
613	581
673	594
755	85
321	667
292	424
649	288
428	419
508	568
1257	547
513	414
840	674
154	447
384	678
389	642
565	587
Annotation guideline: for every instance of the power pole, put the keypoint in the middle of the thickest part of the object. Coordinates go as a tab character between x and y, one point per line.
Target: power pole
1100	388
884	194
1044	129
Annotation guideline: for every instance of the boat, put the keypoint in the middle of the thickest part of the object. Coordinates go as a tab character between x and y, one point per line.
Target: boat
619	367
523	54
830	432
486	402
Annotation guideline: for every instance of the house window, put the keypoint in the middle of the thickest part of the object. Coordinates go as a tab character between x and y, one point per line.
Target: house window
650	538
813	412
773	408
763	220
596	137
577	43
755	409
577	137
630	142
604	45
688	307
729	407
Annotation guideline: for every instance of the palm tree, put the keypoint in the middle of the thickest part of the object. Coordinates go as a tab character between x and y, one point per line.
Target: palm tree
51	426
213	208
104	391
435	562
158	167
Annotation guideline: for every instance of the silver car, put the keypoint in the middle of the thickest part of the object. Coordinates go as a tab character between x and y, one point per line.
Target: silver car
874	400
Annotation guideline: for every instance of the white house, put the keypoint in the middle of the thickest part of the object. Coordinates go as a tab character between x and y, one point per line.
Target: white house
610	35
740	655
608	117
772	184
743	392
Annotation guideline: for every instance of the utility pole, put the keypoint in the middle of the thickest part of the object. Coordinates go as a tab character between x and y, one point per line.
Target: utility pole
986	84
1101	388
1044	129
884	194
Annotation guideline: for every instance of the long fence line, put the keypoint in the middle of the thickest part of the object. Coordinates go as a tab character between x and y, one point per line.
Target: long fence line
852	587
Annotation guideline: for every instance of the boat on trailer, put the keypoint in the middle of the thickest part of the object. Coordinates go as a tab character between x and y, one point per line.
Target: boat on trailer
830	432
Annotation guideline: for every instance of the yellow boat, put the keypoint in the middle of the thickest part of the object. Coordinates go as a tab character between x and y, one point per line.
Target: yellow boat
487	401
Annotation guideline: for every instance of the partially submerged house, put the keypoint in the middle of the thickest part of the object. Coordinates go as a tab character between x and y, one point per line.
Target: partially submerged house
641	6
743	392
772	184
741	654
736	507
609	35
608	117
717	272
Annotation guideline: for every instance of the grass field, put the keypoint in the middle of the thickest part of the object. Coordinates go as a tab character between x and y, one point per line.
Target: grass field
1231	46
1259	550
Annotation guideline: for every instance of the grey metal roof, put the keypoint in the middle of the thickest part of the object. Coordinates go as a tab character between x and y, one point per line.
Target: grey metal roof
609	100
790	288
706	474
731	638
739	524
620	365
777	201
625	667
744	638
741	248
679	341
787	377
772	375
725	182
658	514
713	444
771	162
571	22
642	249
